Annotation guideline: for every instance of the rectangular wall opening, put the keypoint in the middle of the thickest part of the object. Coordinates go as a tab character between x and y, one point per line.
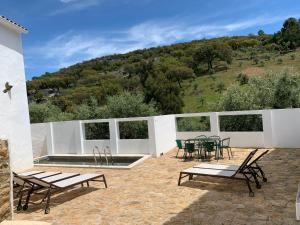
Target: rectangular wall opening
133	129
241	123
195	123
97	131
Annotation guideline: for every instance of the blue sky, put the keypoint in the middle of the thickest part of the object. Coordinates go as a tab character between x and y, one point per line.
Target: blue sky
63	32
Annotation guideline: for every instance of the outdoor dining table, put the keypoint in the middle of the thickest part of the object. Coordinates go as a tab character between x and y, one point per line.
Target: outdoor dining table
199	145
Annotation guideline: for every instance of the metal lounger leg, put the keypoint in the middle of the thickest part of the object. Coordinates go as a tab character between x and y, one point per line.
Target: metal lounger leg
251	193
47	207
254	174
179	179
30	191
104	180
19	207
261	173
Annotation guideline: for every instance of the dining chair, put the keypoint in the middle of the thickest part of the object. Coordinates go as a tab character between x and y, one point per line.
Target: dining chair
179	146
225	144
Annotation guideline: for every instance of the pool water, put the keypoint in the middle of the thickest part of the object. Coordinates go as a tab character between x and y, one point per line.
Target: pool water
87	160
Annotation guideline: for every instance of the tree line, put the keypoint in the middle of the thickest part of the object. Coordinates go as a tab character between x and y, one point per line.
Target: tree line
152	78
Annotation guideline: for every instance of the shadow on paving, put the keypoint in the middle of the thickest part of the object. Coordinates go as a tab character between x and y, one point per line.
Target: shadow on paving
227	201
56	199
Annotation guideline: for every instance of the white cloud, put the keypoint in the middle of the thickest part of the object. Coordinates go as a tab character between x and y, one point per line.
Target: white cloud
74	5
68	1
78	5
73	47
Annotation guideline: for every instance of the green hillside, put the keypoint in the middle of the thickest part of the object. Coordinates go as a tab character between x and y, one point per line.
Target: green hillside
202	93
184	77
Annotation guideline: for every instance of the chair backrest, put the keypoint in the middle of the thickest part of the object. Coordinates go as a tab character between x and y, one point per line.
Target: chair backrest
243	166
190	147
257	158
201	137
209	146
215	137
18	180
179	144
32	180
225	142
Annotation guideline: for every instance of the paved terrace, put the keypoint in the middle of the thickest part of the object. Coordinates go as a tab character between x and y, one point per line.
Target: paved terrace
148	194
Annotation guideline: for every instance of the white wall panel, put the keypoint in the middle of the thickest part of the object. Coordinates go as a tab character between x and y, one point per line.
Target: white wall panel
14	116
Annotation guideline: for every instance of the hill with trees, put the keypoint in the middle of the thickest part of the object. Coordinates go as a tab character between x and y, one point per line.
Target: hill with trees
227	73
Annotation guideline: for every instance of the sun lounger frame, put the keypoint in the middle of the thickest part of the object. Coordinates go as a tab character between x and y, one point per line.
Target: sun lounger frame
50	187
254	166
246	174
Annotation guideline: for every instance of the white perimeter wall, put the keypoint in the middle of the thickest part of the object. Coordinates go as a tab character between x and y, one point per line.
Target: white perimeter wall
281	129
14	116
41	139
165	133
134	146
286	128
66	137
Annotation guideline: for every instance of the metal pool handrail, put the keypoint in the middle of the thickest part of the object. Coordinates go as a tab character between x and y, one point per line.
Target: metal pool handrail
96	149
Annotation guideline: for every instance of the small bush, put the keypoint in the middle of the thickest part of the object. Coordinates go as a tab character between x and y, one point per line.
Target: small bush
211	71
195	86
261	64
293	57
256	61
267	57
242	79
279	61
213	78
220	86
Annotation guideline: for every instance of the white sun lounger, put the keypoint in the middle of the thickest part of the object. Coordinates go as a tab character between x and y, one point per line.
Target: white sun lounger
59	177
223	173
50	184
217	166
30	173
45	174
251	165
37	174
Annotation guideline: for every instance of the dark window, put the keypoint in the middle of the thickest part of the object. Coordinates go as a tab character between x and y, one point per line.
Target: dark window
199	123
97	131
133	130
234	123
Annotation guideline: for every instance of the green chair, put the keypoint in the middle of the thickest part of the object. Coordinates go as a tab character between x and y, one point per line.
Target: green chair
179	146
199	143
208	147
189	149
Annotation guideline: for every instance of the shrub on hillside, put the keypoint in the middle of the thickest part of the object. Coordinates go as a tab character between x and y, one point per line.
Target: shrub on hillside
279	61
242	78
274	90
220	86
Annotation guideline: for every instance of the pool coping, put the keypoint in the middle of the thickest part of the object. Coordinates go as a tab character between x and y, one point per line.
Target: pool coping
139	161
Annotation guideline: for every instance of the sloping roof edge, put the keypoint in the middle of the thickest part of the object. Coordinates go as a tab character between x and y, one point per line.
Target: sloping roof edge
10	23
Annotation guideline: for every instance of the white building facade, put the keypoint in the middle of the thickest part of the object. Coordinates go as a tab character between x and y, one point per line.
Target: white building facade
14	115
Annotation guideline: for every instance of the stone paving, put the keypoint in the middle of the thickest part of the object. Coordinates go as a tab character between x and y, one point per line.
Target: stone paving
148	194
